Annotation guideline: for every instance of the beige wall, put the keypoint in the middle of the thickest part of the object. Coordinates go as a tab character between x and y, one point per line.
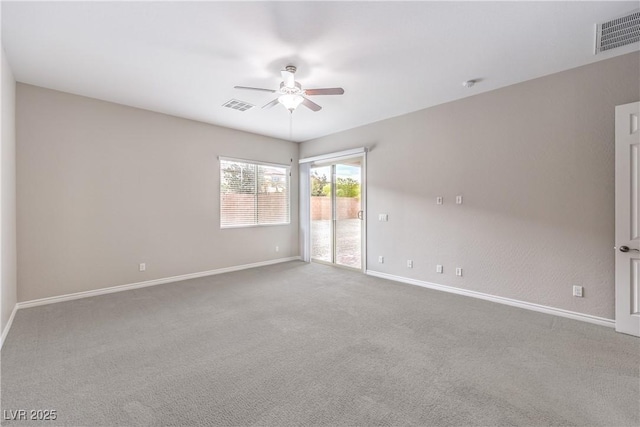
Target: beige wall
8	195
535	164
103	187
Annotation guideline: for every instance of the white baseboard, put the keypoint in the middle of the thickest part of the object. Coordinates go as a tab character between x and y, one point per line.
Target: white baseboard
501	300
5	331
154	282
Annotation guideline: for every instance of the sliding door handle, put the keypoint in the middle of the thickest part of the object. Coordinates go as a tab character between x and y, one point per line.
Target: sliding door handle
360	214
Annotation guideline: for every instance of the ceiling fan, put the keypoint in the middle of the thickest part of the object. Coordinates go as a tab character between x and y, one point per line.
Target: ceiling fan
292	94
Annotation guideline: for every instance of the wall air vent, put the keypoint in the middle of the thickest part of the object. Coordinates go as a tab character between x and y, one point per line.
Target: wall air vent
618	32
238	105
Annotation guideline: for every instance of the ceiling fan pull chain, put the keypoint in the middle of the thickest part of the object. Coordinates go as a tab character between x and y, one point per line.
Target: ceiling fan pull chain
291	125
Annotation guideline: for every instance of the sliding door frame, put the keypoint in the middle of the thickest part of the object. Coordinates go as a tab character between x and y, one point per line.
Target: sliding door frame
325	160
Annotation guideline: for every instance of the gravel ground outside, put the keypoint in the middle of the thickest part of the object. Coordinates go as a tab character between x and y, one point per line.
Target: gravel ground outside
348	248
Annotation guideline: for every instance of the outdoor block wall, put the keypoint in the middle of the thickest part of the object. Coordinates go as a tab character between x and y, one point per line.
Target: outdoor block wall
347	207
241	209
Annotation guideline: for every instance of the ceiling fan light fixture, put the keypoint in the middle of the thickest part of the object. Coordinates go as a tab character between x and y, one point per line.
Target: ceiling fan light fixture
290	102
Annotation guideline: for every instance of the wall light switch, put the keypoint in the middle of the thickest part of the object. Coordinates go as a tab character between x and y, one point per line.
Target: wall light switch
458	271
383	217
458	200
381	259
409	263
439	200
439	269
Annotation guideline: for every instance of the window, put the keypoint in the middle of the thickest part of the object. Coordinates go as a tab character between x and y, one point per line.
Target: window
253	193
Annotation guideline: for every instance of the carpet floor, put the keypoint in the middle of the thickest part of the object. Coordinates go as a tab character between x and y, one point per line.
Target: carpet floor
309	344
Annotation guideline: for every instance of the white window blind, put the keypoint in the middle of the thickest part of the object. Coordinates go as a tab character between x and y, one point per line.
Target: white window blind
253	193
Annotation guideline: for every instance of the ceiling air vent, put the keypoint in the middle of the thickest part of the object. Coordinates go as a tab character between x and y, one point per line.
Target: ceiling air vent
238	105
618	32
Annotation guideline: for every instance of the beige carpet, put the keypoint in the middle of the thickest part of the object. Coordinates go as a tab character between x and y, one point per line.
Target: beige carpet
308	344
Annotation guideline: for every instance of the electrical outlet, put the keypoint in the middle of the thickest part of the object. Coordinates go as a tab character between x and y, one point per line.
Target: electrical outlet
458	271
439	269
277	248
409	263
381	259
439	200
577	291
142	266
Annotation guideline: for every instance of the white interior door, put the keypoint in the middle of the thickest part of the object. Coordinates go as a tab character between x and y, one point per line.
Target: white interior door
627	219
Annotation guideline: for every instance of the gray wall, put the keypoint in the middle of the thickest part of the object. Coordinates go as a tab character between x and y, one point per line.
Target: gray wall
103	187
535	164
8	195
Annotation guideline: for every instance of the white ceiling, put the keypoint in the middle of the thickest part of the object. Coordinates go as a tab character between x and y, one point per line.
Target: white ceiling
183	58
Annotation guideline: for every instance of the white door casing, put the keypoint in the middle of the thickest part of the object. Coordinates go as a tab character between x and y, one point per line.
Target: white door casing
627	234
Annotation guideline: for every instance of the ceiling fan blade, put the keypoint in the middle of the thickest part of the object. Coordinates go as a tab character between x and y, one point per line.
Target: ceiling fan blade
271	104
327	91
288	78
311	105
254	88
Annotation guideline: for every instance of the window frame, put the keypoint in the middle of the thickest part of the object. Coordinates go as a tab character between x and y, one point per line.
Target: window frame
255	163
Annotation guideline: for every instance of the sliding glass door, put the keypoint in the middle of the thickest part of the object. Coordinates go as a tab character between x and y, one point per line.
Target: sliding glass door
337	213
322	214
